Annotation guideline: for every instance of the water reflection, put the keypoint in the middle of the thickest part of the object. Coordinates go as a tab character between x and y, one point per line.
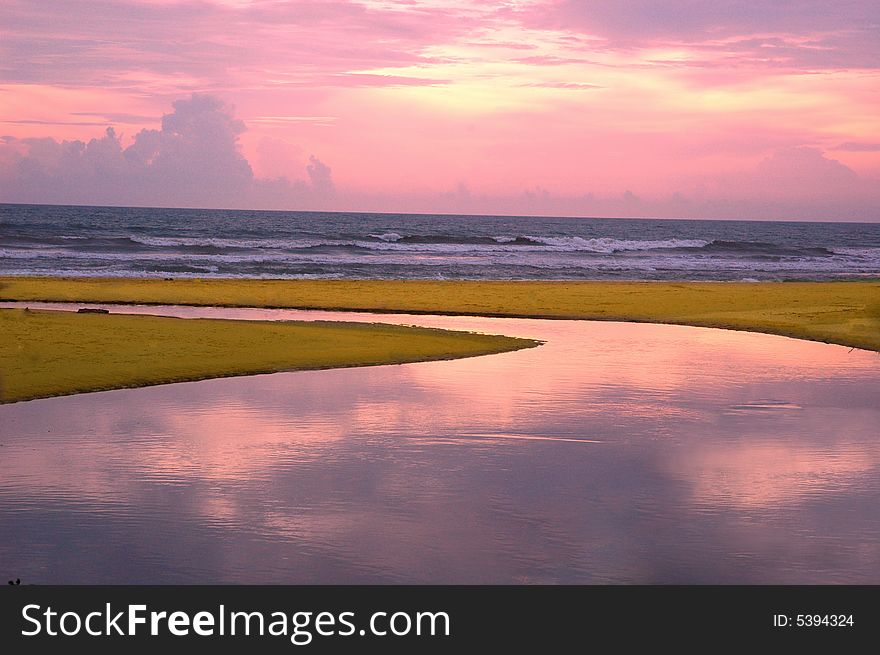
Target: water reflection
614	453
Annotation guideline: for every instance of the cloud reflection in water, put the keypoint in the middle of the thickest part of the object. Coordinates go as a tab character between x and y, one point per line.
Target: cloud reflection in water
614	453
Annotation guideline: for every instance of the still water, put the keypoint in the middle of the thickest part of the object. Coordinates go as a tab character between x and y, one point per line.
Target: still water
616	452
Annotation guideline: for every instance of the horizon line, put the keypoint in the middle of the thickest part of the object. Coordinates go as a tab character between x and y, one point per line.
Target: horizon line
449	214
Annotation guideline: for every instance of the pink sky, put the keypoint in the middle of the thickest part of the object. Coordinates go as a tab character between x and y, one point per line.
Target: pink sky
734	109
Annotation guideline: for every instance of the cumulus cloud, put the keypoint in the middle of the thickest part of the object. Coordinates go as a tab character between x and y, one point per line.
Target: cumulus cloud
193	159
195	151
320	175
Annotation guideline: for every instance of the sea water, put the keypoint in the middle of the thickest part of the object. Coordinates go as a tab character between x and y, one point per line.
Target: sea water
150	242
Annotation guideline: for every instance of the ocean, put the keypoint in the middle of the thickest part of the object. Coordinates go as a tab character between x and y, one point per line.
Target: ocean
148	242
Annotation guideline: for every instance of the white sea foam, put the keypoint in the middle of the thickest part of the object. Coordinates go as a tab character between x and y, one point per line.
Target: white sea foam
172	242
600	245
609	245
865	253
387	236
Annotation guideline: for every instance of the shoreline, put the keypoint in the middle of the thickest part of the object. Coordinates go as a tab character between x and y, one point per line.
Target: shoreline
846	313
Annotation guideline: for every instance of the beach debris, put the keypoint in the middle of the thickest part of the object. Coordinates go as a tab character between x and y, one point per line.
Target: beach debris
92	310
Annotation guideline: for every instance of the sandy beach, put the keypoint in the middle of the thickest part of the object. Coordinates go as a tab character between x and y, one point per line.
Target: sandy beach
845	313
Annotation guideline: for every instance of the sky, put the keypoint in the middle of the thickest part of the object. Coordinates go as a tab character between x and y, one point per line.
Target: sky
659	108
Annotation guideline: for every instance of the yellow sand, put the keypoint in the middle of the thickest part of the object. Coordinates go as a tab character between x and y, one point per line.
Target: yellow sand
50	353
847	313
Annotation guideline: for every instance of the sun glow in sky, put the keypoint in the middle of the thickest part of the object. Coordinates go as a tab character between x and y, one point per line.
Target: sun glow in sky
740	108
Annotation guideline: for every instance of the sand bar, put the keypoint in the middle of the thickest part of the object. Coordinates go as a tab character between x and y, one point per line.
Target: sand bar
845	313
52	353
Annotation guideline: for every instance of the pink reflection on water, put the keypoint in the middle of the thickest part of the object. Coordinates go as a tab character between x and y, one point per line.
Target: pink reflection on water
615	452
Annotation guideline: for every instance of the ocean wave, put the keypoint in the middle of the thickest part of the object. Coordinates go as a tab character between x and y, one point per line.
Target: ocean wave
179	268
446	239
198	258
521	243
599	245
763	248
225	243
430	243
859	253
606	245
271	262
609	245
111	241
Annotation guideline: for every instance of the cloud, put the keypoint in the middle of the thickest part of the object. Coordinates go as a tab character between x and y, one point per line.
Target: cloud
319	174
799	175
858	146
574	86
194	159
800	33
196	150
689	19
189	44
26	121
792	183
116	117
800	165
